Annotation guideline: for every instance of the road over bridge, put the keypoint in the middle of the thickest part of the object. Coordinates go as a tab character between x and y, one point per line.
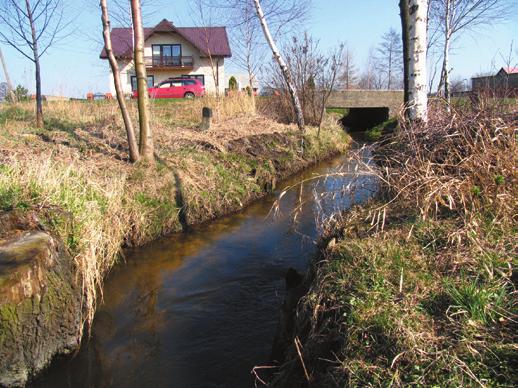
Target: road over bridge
367	108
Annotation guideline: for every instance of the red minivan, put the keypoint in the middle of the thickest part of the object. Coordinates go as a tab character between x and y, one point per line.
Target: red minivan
176	88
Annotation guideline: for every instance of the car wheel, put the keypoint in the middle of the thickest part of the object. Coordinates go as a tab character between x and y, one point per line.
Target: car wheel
189	95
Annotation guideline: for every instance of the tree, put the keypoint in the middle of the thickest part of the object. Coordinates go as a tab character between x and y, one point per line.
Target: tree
204	19
19	94
282	65
249	50
458	84
232	83
414	23
389	58
146	148
348	78
327	79
452	17
130	133
371	78
31	29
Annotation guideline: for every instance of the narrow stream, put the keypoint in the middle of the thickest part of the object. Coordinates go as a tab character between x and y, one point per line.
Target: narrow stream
200	309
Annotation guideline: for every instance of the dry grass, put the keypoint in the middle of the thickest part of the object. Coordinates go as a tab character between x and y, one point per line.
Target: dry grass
77	165
420	289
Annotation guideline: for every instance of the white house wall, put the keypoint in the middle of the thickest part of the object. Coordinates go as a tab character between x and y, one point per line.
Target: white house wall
201	65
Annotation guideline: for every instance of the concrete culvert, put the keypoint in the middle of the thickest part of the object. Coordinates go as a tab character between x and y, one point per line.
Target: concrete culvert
361	119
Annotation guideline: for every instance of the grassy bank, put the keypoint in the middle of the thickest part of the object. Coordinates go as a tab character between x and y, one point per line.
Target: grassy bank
73	175
420	287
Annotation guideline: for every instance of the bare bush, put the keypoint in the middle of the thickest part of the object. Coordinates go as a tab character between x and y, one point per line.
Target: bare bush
315	76
462	163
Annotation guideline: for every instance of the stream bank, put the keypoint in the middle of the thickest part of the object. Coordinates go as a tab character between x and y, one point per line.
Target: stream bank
72	188
419	287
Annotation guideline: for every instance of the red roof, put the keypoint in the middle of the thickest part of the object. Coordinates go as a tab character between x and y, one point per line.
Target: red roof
510	70
213	40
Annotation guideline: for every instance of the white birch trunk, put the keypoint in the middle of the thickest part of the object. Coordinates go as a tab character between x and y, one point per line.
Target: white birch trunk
284	68
417	82
444	84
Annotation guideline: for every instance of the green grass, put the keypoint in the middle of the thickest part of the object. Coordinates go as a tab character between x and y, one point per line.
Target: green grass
379	130
340	111
395	310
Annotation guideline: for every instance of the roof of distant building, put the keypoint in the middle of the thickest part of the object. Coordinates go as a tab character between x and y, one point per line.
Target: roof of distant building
510	70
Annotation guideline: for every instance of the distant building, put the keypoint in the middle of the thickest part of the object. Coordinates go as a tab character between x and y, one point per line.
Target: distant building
3	91
503	83
242	81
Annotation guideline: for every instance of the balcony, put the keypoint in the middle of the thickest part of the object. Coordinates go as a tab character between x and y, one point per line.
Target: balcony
168	63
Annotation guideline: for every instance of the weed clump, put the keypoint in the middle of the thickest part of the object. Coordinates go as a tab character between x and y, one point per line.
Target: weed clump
420	288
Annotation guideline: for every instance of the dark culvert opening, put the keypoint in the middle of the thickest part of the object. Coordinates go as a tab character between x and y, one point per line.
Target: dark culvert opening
361	119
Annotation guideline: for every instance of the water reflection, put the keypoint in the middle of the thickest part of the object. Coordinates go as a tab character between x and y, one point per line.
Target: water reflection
199	309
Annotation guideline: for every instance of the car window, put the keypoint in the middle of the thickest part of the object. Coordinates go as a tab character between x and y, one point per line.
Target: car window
164	85
176	83
189	82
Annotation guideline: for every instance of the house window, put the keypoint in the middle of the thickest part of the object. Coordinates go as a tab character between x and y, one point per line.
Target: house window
199	77
167	54
150	82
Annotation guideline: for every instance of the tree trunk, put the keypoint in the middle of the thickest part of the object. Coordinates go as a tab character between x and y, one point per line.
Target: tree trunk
39	105
405	34
10	89
284	68
444	83
446	70
146	135
417	94
132	142
251	85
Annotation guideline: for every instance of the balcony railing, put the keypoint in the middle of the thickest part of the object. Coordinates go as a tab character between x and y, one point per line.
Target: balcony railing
169	62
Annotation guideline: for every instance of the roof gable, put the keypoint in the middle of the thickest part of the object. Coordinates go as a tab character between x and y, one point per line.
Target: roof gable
208	40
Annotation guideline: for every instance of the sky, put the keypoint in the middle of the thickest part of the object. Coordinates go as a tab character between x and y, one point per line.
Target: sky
73	68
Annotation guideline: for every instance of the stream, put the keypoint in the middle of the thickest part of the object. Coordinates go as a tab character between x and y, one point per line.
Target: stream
200	308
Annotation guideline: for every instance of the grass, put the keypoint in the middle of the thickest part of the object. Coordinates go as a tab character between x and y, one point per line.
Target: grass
74	177
420	288
375	133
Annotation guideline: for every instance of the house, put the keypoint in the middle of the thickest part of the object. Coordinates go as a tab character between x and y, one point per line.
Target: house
243	82
503	83
170	51
3	91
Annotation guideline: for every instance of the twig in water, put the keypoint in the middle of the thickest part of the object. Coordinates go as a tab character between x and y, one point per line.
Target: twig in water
298	345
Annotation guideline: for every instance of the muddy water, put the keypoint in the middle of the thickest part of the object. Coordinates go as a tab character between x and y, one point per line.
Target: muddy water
200	309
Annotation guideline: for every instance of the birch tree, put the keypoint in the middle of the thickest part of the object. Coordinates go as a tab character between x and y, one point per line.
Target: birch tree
414	22
453	17
128	125
31	27
146	148
282	65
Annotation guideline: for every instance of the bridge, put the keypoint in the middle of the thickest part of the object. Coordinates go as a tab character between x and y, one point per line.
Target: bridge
367	108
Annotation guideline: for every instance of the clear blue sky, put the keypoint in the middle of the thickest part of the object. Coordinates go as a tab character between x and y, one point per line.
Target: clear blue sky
73	67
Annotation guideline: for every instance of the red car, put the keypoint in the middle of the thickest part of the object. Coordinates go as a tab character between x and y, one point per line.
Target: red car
176	88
